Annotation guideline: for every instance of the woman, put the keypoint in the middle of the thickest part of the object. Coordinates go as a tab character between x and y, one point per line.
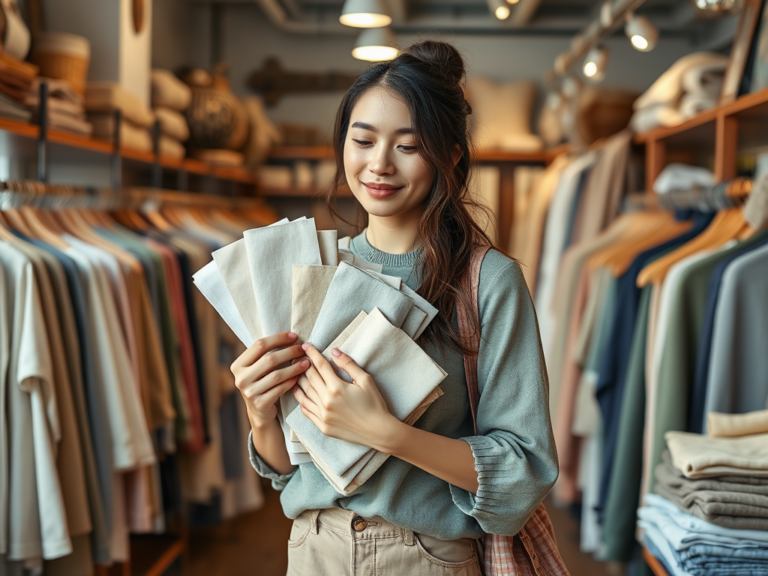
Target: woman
403	148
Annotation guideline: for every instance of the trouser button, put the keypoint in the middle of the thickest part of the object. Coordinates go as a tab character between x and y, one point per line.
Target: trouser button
359	524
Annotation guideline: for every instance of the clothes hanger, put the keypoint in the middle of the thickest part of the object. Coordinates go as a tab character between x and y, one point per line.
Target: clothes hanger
668	229
636	225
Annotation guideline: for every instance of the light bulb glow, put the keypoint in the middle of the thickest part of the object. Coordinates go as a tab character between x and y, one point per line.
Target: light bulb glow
502	12
375	53
590	69
365	20
639	42
512	1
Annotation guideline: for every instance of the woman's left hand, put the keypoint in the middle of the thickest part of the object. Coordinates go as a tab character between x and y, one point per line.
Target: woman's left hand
353	412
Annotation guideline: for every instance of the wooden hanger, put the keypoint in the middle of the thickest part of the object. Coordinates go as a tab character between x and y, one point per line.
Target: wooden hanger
727	225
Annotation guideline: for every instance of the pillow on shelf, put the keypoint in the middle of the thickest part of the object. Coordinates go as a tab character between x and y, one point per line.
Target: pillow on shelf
501	114
169	92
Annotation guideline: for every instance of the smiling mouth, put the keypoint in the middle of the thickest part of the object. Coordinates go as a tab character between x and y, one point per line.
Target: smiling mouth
381	190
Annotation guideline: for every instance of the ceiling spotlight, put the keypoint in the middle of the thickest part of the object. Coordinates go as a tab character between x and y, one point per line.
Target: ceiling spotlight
499	8
717	7
512	1
641	33
376	45
365	14
595	63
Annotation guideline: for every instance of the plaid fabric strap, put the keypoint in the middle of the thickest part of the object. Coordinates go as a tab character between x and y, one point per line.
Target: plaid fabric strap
532	551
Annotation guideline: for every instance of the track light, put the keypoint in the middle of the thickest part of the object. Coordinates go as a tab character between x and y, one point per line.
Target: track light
641	33
499	8
376	45
595	63
365	14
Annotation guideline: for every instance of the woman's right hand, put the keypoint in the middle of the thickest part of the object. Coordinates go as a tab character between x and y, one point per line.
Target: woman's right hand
259	379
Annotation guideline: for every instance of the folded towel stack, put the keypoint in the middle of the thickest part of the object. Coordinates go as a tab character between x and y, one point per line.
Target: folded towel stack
101	101
16	80
304	280
170	98
710	511
689	87
66	109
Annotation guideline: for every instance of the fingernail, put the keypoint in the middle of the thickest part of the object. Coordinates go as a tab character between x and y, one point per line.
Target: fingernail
336	352
292	335
305	346
305	363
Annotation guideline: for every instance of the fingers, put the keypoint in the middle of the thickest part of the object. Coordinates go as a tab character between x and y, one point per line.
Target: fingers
270	362
320	363
308	387
270	398
252	386
309	408
261	347
359	376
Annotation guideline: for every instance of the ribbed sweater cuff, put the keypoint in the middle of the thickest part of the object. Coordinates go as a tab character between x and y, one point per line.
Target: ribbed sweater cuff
490	477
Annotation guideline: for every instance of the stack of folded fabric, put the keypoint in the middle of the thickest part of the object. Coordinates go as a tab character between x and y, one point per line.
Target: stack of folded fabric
170	98
712	487
304	280
102	99
16	80
689	87
66	110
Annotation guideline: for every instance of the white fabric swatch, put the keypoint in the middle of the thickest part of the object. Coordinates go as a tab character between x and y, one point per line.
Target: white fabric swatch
271	253
329	252
209	281
231	261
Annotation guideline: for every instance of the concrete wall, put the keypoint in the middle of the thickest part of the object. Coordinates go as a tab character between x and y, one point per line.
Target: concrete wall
247	38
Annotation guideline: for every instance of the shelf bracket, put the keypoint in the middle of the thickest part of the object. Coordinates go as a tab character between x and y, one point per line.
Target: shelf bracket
42	141
116	159
157	170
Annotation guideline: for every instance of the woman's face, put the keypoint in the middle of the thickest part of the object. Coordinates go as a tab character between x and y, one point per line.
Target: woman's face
382	166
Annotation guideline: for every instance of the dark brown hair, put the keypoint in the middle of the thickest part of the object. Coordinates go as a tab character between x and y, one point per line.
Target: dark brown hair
429	77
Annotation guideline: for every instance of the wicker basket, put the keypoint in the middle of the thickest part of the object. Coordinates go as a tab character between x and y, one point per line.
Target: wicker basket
63	57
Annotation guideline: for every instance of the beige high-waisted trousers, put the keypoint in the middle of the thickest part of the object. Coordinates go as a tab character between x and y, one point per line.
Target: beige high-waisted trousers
336	542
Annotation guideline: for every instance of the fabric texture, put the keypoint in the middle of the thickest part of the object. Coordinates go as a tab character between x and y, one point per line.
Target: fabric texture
309	286
702	456
230	261
728	425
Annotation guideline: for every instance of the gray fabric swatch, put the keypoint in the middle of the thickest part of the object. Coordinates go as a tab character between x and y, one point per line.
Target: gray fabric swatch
329	252
352	291
272	251
403	372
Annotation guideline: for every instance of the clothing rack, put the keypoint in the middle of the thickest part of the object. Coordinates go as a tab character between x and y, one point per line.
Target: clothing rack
729	194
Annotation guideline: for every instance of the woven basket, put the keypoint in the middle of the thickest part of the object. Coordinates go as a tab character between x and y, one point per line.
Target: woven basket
63	57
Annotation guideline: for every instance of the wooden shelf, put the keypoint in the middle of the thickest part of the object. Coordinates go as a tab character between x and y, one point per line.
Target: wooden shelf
487	155
655	566
78	141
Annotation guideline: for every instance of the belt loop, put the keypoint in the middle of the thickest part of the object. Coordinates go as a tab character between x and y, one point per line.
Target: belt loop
408	537
313	521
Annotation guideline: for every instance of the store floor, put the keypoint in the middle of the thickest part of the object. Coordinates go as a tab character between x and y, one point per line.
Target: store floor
255	545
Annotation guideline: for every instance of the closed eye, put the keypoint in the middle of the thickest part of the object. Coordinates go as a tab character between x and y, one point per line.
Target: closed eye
361	142
407	148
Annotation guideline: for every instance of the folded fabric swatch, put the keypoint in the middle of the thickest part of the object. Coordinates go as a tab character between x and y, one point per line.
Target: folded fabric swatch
660	115
351	291
231	263
309	286
726	509
669	86
172	123
700	456
394	281
329	253
677	176
272	251
357	262
676	481
729	425
403	372
209	281
422	312
344	242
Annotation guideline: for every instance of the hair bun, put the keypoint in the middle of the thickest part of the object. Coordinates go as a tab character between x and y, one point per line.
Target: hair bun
440	54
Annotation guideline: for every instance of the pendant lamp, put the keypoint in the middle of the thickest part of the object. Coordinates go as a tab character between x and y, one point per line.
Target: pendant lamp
365	14
376	45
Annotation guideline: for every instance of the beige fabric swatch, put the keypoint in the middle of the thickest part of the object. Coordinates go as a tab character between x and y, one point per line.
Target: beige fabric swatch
729	425
309	284
700	456
232	263
329	253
